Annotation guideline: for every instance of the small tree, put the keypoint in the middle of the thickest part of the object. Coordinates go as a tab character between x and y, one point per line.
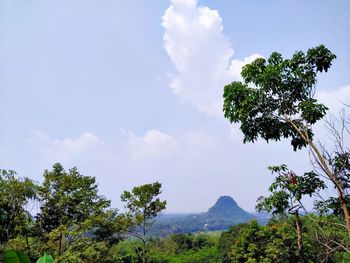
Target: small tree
286	194
143	208
280	104
15	196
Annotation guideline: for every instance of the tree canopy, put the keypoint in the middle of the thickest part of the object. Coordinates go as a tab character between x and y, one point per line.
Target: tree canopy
276	100
276	94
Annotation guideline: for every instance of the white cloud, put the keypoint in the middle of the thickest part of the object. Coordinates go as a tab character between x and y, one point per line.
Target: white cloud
66	149
335	99
158	145
200	158
201	53
153	144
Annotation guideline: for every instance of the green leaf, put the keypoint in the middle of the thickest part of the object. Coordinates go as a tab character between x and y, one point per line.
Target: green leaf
13	256
23	258
45	259
346	258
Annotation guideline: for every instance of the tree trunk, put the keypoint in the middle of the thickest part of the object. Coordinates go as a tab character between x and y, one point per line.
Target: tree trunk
27	242
332	177
59	244
23	225
143	252
299	237
323	165
345	208
144	232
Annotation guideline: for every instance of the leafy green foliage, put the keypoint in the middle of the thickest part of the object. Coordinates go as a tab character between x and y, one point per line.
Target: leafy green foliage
345	258
280	92
45	259
184	248
13	256
205	255
286	194
277	101
288	190
75	223
125	251
277	241
227	238
143	199
95	233
254	243
331	205
341	165
67	198
143	207
16	194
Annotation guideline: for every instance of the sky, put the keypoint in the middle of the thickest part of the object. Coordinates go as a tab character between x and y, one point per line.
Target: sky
131	91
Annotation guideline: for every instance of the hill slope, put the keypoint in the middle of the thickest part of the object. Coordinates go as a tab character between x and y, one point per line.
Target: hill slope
226	207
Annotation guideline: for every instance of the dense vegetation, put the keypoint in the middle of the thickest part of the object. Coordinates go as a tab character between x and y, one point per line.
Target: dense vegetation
277	241
74	223
101	234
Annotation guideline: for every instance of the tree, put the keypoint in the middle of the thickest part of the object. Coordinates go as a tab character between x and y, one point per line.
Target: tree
227	238
67	200
280	103
286	194
93	239
143	208
16	193
251	242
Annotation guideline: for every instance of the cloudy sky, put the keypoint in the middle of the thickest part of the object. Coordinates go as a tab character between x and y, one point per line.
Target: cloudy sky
131	91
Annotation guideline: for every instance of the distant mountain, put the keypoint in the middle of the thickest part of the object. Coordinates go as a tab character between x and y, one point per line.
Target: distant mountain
223	214
226	207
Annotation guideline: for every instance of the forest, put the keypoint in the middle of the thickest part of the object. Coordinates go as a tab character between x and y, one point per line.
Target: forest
275	101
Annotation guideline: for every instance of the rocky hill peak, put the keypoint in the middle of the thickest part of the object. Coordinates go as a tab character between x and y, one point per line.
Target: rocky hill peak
226	206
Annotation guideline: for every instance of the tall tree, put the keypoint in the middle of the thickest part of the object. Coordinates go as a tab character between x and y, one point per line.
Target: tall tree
67	199
276	100
143	208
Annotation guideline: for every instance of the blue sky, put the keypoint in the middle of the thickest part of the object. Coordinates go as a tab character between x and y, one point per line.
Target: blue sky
131	91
